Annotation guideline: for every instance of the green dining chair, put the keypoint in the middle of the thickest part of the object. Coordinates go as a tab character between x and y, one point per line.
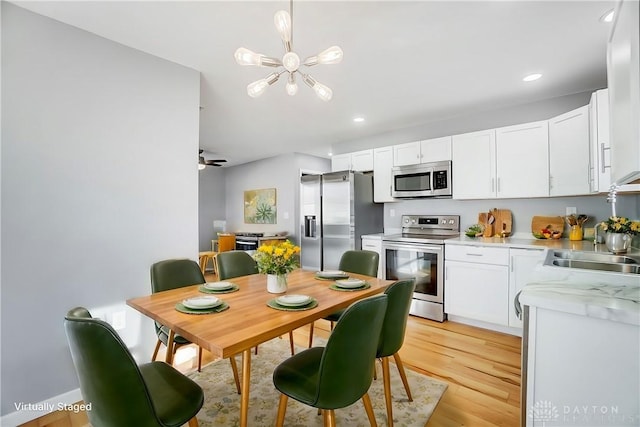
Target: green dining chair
172	274
234	264
399	295
120	392
356	261
337	375
239	263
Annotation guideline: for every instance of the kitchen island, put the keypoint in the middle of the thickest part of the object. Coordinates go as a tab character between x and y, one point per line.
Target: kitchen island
581	352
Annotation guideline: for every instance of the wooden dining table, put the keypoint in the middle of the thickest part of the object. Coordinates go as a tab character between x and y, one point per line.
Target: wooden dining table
249	321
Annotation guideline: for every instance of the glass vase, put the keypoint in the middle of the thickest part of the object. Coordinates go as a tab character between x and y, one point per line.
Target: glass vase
618	243
276	283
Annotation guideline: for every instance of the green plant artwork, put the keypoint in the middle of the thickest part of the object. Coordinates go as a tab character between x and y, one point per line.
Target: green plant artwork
260	206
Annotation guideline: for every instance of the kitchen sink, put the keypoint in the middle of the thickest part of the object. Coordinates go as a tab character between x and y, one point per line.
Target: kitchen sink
603	262
596	257
594	265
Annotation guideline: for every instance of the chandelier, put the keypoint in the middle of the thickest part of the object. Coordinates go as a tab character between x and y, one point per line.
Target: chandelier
290	61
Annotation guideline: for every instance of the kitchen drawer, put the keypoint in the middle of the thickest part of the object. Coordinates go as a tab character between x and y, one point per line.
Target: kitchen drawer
477	254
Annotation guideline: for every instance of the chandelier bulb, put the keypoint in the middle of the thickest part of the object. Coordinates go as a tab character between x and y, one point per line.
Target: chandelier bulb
282	21
245	56
258	87
332	55
323	92
292	87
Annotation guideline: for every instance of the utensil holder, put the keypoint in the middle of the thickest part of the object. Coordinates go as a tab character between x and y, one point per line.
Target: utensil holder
575	233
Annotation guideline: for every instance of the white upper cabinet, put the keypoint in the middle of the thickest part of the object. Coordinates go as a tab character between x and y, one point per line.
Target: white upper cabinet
569	158
429	150
474	166
341	162
600	151
382	164
623	76
360	161
508	162
522	167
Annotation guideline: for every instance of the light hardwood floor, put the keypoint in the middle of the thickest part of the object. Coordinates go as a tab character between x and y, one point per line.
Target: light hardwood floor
481	367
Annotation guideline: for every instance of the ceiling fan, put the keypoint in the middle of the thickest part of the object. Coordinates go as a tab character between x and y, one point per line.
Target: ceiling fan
202	163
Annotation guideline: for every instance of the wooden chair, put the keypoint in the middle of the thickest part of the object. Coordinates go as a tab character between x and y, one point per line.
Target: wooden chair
204	258
226	243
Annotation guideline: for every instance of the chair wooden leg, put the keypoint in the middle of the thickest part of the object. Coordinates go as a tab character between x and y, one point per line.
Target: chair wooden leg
282	409
375	371
193	422
366	400
256	351
400	366
234	369
386	378
311	334
329	418
199	359
331	326
171	348
293	351
155	351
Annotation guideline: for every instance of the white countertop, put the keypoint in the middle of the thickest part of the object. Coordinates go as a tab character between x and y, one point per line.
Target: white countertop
618	303
529	242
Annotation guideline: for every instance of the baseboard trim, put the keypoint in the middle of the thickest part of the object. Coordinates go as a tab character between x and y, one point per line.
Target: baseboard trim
485	325
50	405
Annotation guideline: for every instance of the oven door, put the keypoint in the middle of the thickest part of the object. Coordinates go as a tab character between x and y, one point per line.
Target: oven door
420	261
246	244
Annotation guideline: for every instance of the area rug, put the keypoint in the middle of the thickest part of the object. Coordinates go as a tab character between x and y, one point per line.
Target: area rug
222	403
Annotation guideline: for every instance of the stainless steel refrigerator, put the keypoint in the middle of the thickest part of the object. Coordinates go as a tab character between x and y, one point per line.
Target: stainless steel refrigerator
336	210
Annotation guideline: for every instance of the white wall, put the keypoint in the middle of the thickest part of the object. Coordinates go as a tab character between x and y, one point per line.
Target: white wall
99	180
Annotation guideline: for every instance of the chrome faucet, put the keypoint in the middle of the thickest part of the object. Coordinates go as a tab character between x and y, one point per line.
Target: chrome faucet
611	197
595	233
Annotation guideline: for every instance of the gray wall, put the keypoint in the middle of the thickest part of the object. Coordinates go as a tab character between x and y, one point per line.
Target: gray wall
211	203
280	172
98	181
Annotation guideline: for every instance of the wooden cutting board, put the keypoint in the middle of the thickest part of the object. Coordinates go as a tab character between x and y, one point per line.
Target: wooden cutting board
503	222
556	223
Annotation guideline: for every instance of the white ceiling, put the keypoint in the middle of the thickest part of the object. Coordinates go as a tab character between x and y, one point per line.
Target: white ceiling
405	62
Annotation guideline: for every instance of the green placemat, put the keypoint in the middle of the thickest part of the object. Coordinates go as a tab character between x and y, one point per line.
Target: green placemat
337	288
273	304
222	307
332	278
204	290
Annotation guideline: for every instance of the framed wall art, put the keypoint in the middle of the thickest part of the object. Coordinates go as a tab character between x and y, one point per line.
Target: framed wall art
260	206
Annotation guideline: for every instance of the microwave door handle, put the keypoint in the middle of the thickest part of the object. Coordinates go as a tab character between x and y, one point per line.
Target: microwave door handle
432	179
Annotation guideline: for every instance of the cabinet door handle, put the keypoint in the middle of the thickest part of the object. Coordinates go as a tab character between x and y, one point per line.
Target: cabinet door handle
602	150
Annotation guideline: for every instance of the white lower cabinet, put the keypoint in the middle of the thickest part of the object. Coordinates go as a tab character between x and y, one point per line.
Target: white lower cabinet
477	283
522	264
374	244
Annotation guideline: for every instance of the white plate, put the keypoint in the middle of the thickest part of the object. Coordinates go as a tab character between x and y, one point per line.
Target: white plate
218	286
331	273
199	303
350	283
293	300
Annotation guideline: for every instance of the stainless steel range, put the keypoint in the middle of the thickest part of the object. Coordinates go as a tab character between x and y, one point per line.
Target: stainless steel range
419	253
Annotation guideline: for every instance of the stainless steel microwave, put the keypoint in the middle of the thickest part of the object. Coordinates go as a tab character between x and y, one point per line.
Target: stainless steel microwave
422	180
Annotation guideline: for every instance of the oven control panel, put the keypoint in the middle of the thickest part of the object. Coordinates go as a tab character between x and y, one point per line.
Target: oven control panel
435	222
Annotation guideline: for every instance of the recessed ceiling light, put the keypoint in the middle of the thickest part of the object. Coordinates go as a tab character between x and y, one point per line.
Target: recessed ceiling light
358	119
532	77
607	17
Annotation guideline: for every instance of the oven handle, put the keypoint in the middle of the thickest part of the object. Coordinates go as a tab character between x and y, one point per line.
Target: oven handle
417	246
245	242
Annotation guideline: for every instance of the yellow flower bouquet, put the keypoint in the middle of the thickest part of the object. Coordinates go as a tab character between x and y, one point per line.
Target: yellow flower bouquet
279	259
620	224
